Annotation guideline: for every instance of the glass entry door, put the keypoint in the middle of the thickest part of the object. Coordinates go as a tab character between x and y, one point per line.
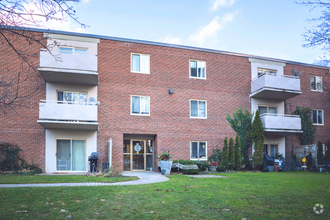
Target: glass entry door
138	155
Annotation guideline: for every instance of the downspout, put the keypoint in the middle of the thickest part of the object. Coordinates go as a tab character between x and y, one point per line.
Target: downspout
110	152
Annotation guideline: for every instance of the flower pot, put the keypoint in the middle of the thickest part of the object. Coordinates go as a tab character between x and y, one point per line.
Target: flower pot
165	167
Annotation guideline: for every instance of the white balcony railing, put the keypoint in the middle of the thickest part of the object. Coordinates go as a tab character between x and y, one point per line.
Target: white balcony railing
284	82
74	61
280	122
62	110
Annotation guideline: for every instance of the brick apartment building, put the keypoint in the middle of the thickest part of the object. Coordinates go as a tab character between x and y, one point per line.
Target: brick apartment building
129	99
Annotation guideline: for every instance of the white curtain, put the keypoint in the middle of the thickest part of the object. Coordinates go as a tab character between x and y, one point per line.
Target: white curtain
78	155
145	63
145	102
201	69
193	109
201	109
136	62
136	104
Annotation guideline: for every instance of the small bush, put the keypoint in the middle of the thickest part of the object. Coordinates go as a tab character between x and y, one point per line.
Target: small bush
221	168
191	171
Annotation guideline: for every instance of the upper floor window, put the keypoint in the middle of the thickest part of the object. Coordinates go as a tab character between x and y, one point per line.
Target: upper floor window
72	50
140	63
262	71
267	109
140	105
197	109
198	150
317	117
71	97
316	83
197	69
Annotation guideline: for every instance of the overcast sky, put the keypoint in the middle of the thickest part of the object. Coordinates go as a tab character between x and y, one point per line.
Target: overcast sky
269	28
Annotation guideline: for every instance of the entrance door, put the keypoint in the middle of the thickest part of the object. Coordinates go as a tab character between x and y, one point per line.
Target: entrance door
138	155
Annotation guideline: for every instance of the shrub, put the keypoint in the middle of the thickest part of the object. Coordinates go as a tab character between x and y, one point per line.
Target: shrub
238	154
231	154
258	140
308	135
327	152
319	153
221	168
215	156
225	154
190	171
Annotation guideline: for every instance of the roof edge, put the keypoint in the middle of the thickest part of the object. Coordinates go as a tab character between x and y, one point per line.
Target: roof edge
171	45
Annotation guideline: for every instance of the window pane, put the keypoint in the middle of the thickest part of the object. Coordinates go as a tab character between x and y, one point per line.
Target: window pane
319	117
313	85
66	50
193	109
314	116
202	150
262	109
136	104
60	97
193	68
63	152
201	69
273	150
80	51
79	155
194	150
272	110
145	63
201	109
83	97
68	97
136	62
75	97
144	105
318	83
266	149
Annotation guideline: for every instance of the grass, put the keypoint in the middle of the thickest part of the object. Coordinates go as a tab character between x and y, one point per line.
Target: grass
12	179
285	195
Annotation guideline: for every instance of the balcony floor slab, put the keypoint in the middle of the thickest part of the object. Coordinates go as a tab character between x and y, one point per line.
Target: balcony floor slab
276	94
87	126
280	133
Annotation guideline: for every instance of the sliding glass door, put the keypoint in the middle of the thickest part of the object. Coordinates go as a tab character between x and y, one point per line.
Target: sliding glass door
70	155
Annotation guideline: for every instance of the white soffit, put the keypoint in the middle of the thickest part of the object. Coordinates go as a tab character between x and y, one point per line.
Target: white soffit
254	60
72	38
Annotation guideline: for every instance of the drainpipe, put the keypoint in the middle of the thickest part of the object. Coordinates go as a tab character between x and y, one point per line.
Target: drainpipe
110	152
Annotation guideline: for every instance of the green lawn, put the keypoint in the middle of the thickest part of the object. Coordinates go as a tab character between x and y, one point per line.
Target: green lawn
6	179
285	195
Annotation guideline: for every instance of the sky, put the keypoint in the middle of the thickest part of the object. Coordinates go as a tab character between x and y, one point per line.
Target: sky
271	28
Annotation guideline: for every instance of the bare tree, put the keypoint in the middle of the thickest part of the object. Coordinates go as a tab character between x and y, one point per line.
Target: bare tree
319	35
19	84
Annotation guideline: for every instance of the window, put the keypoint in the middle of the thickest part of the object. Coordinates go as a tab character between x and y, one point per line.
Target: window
72	50
140	63
316	83
198	150
70	97
271	150
197	69
317	117
198	109
262	71
140	105
267	109
70	155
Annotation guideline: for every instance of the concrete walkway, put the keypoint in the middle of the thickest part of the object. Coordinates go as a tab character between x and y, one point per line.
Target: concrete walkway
145	178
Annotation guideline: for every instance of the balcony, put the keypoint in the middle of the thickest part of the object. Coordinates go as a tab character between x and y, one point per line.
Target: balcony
281	125
68	115
269	86
68	68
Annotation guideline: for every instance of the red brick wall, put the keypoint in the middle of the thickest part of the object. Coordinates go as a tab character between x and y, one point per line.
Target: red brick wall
21	128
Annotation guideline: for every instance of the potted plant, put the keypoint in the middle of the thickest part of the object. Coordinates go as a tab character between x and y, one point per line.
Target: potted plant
165	162
213	167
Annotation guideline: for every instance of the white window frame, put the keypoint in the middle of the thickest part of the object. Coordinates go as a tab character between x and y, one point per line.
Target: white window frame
203	159
269	106
266	71
316	90
71	139
148	72
73	49
317	117
194	77
139	114
63	102
198	100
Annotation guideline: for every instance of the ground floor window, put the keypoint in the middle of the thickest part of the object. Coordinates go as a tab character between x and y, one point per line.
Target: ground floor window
271	150
70	155
198	150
